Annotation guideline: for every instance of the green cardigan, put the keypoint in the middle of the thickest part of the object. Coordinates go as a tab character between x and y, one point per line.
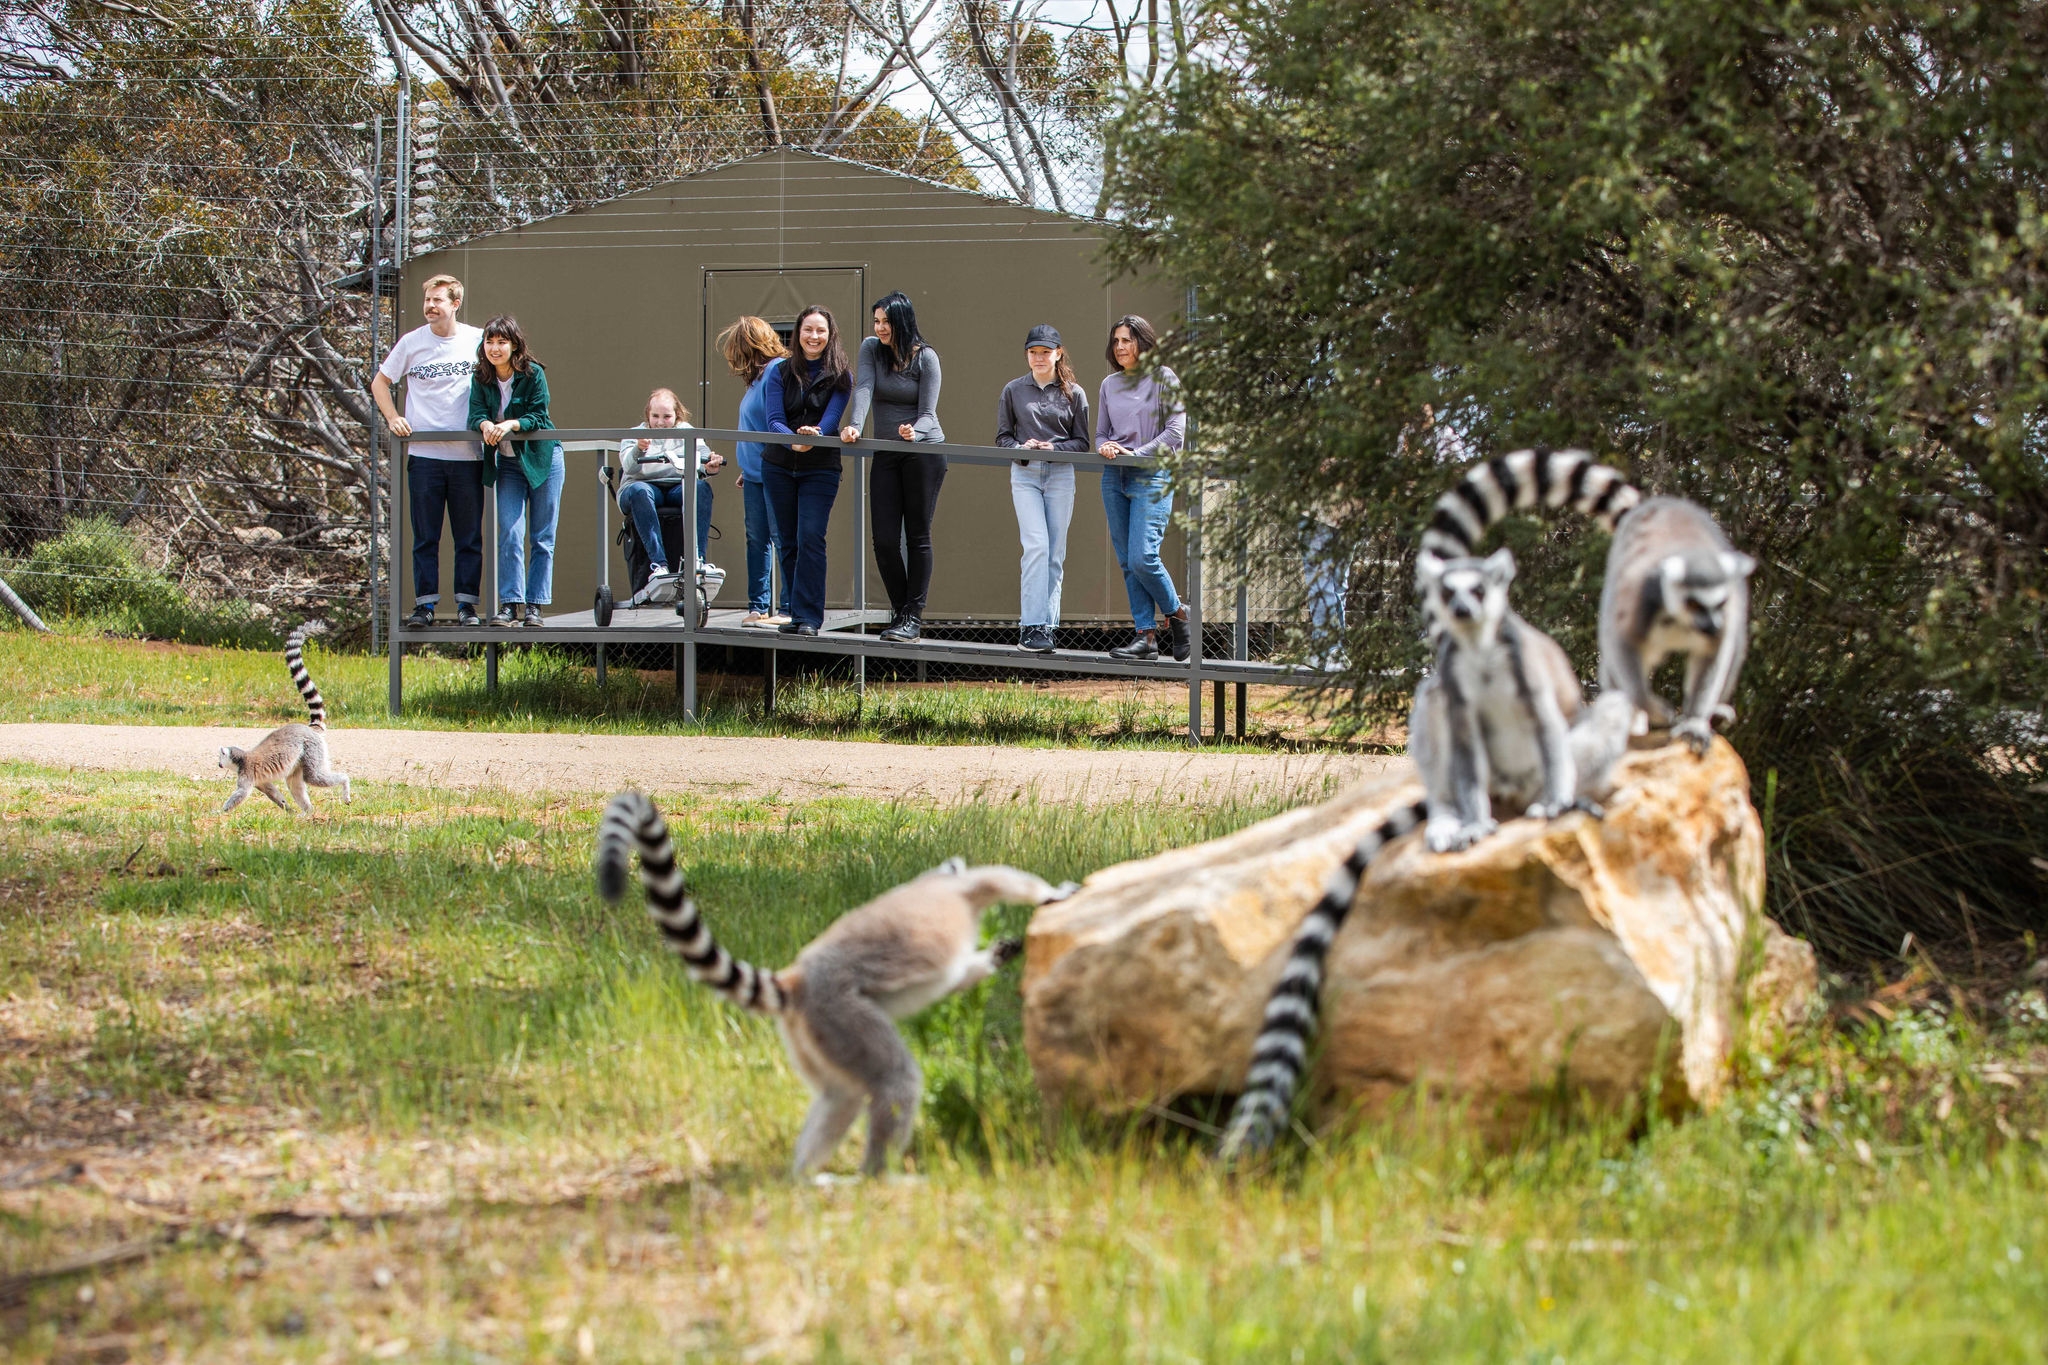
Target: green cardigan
529	407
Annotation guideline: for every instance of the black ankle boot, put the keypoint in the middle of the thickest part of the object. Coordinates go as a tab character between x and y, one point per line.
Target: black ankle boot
1142	646
1177	630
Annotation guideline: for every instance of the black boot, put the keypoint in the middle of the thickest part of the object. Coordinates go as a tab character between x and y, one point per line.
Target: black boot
1177	629
1142	646
906	629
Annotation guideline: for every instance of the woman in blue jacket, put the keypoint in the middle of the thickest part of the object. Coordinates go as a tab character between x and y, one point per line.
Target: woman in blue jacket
508	395
750	347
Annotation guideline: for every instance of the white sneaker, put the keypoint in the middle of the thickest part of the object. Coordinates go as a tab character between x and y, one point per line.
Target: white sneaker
753	618
773	621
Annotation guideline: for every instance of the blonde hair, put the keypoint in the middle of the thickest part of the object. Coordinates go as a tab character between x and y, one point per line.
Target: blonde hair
749	346
682	413
447	282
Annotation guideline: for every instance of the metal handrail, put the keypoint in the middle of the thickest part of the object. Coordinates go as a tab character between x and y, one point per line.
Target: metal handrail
952	450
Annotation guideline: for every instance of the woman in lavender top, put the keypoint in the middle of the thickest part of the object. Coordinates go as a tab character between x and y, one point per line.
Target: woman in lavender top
1141	415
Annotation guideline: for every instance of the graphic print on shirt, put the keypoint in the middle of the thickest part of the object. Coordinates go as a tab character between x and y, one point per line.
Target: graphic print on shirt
436	372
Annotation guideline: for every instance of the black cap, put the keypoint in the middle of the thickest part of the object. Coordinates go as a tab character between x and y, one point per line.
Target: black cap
1042	335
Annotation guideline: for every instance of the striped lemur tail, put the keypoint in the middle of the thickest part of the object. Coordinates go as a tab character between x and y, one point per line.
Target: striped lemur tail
1519	481
630	822
295	660
1280	1056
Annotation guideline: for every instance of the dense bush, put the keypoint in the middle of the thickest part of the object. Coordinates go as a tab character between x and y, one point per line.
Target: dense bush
1788	259
91	572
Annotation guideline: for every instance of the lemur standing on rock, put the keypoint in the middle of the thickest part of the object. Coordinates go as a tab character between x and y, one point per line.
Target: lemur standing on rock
838	1003
1501	717
297	754
1674	584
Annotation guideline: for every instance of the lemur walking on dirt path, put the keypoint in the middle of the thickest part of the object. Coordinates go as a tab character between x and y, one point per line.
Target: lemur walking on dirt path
295	754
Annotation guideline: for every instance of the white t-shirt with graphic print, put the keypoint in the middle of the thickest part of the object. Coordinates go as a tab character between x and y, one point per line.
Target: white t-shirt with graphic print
436	372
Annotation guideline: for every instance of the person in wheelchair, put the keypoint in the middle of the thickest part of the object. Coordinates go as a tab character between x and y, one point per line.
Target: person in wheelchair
652	471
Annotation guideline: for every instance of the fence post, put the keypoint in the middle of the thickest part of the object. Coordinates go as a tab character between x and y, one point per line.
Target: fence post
395	522
686	601
1192	601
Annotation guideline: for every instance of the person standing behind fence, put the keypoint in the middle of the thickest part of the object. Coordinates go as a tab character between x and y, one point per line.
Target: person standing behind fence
899	375
1043	410
436	361
508	394
1141	415
804	395
651	474
750	346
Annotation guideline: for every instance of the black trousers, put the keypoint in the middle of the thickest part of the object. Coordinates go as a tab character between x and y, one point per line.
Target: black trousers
903	493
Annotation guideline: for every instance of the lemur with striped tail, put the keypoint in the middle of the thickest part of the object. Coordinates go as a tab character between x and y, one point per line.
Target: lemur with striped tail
838	1003
1674	584
1501	717
294	754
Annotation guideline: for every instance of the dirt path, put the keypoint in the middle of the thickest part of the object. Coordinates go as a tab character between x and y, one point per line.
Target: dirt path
795	769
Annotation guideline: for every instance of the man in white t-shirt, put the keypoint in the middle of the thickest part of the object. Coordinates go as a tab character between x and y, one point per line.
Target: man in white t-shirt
435	362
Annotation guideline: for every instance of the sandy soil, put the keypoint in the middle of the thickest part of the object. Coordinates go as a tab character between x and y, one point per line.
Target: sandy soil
792	769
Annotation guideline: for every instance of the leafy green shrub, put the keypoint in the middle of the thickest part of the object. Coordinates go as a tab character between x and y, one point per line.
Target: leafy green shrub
91	572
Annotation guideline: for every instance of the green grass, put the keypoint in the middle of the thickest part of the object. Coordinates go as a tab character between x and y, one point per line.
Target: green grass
392	1083
75	675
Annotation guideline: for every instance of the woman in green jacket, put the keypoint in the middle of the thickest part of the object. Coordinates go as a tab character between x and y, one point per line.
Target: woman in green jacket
509	395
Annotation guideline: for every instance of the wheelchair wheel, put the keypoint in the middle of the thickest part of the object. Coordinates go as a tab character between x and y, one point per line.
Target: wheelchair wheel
601	610
695	601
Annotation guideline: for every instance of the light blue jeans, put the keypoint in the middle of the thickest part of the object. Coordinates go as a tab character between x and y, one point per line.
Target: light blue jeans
1043	494
524	507
643	503
1328	579
1139	503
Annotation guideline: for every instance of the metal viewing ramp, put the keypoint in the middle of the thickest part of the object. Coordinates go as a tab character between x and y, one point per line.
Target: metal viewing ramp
845	631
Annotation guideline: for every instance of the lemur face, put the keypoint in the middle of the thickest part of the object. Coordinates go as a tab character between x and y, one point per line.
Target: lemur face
1694	590
1469	597
231	757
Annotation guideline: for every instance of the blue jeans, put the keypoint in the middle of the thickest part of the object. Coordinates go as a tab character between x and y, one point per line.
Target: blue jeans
761	542
1139	503
456	487
1043	494
1328	579
801	501
643	503
524	507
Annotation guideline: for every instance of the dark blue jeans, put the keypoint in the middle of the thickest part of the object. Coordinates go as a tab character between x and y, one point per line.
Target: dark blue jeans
456	487
761	542
643	501
801	501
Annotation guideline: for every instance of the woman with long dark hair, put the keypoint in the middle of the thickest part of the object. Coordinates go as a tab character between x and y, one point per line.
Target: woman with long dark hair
508	394
1045	409
898	375
804	394
1139	414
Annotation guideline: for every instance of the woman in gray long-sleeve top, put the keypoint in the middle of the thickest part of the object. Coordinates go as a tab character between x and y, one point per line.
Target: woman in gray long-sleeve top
898	376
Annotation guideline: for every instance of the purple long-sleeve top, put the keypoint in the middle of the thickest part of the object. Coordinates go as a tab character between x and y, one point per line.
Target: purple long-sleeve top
1143	414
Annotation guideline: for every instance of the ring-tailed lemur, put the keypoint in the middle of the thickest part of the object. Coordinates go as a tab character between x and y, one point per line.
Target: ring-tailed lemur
1674	584
838	1003
1501	716
295	754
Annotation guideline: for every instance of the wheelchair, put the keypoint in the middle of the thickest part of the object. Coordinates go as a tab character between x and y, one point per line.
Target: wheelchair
695	601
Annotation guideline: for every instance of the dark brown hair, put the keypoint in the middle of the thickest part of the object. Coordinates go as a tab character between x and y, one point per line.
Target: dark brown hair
506	326
1141	332
832	364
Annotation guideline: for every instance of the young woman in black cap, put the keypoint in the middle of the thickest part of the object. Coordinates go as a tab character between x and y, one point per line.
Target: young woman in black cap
1044	410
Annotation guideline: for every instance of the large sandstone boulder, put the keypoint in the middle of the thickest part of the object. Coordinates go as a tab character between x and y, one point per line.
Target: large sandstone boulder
1579	958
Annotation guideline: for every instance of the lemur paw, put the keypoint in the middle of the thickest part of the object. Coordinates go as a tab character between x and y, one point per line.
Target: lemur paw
1061	892
1548	810
952	867
1696	733
1452	836
1590	807
1003	949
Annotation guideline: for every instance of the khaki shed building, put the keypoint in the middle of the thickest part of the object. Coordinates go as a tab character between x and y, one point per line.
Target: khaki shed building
625	296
